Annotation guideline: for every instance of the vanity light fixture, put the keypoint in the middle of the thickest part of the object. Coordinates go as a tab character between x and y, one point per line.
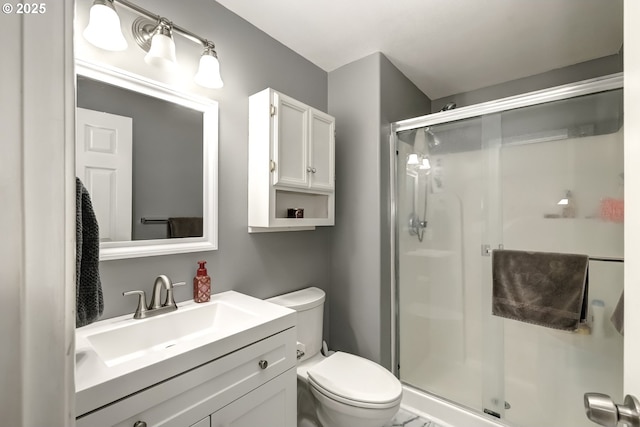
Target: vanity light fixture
154	34
104	29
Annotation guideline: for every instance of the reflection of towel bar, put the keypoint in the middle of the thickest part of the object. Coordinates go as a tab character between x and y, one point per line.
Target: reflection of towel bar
605	259
154	220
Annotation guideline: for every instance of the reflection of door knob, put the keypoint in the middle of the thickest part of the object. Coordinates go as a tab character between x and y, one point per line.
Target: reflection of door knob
601	409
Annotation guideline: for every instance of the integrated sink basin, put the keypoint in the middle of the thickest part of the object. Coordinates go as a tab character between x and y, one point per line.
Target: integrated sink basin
119	356
134	339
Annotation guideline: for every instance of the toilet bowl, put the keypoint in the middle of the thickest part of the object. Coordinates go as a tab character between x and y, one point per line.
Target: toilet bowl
346	390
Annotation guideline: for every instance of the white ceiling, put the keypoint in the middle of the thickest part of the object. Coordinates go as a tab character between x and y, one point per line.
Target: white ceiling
444	46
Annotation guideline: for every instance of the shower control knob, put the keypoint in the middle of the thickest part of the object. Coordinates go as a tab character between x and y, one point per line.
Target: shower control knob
601	409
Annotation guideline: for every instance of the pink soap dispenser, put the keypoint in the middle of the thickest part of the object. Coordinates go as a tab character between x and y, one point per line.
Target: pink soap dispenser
202	284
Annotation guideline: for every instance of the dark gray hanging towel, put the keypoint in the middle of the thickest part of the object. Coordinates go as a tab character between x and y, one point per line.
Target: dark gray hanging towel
546	289
89	302
185	227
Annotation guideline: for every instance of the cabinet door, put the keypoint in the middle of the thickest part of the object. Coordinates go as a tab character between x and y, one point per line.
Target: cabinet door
290	141
270	405
321	153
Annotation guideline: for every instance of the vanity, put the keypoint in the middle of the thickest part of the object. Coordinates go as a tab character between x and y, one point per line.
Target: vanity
228	362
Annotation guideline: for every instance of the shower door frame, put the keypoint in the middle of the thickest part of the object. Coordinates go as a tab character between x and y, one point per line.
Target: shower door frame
558	93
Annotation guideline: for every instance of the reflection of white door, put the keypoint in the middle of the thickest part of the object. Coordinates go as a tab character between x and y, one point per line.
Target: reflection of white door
104	164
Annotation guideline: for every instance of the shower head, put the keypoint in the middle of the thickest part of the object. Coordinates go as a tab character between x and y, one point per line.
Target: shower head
448	106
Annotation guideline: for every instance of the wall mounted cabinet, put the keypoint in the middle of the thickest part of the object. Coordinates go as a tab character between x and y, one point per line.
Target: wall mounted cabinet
291	164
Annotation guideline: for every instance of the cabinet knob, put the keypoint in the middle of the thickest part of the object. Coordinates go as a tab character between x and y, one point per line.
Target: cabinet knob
140	424
263	365
313	170
308	168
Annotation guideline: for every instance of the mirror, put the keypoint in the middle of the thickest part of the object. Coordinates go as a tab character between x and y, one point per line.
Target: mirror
148	156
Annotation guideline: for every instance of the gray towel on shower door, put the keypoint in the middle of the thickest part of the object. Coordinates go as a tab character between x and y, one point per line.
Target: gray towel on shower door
89	301
546	289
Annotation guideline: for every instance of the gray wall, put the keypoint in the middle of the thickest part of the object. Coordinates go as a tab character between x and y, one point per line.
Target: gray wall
365	96
585	70
261	265
167	154
399	99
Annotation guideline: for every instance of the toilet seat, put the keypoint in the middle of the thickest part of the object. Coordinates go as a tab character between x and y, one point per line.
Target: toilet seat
355	381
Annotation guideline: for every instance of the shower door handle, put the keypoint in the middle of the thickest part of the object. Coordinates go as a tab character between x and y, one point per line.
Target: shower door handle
601	409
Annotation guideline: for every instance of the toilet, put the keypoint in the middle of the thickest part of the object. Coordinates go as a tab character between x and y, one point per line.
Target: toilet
347	390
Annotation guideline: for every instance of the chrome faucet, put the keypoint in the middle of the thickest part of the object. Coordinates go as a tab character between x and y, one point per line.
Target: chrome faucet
155	307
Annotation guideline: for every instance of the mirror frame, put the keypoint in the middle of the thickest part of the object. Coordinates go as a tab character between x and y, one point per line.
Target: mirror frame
209	109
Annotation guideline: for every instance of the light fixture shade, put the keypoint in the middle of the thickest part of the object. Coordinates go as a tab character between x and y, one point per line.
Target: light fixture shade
413	159
104	29
162	52
208	74
426	164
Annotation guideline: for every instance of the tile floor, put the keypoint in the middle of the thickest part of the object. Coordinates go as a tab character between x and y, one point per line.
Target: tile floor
407	419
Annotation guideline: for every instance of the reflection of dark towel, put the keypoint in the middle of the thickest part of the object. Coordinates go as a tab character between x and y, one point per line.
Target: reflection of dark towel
185	227
547	289
89	302
618	315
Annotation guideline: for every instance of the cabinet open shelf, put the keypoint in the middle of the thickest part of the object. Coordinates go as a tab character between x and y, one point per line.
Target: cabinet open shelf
315	206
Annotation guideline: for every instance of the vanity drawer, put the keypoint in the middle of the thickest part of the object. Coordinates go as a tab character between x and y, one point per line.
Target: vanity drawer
188	398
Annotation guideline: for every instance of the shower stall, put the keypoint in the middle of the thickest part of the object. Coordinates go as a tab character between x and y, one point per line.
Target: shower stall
537	172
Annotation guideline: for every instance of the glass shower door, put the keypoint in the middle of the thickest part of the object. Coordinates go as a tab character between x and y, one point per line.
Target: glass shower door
439	206
546	178
561	184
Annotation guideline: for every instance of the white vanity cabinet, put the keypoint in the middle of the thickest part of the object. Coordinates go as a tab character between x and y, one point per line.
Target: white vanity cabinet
291	164
252	386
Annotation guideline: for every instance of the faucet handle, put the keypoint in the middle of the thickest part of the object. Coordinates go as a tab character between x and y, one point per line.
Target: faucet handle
142	303
169	300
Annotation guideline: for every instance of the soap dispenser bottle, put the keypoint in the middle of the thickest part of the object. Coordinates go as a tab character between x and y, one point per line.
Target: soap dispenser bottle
202	284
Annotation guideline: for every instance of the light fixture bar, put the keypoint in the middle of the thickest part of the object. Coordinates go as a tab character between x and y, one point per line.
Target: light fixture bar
176	28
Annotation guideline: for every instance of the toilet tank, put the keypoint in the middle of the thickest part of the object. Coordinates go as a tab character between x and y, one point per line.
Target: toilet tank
309	304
